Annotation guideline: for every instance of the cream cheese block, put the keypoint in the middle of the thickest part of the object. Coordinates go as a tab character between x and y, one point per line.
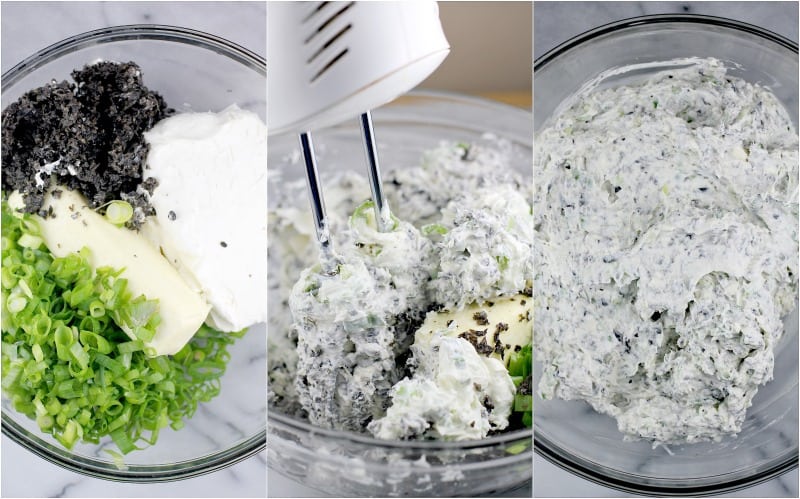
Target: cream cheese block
76	225
494	328
211	208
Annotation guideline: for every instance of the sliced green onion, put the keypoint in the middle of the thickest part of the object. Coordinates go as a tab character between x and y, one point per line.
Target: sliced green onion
119	212
68	362
523	403
96	309
16	303
502	262
71	434
30	241
520	365
38	354
63	339
69	389
130	346
10	376
45	422
119	463
95	342
517	448
366	212
433	229
116	367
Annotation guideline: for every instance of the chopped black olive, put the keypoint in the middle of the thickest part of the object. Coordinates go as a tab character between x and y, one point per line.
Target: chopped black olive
93	127
481	318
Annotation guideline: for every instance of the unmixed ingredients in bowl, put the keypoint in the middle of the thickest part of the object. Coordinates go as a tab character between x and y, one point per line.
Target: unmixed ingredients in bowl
123	285
666	216
423	331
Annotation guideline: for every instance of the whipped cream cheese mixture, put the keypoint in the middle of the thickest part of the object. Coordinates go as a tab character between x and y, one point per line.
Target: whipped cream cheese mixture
666	249
461	234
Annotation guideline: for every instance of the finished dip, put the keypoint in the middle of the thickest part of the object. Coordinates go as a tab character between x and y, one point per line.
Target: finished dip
666	249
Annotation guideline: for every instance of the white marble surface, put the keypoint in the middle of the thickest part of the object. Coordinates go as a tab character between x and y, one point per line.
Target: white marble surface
556	22
26	475
31	26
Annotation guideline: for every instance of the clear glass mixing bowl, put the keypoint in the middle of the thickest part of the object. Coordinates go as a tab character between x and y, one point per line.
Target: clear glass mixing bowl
194	71
348	464
571	434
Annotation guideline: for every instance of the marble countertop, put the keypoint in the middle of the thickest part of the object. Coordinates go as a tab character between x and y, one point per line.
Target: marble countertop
26	28
556	22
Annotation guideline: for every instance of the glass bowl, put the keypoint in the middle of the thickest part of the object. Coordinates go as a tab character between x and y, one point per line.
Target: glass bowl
571	434
194	71
349	464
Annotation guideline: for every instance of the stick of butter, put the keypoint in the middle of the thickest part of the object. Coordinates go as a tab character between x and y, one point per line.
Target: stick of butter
495	328
76	225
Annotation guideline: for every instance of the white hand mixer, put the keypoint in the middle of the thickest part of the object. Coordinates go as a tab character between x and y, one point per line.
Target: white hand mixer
331	61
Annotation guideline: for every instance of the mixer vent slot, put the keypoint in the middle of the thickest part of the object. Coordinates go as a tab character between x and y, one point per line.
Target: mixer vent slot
329	20
319	7
329	42
329	65
337	10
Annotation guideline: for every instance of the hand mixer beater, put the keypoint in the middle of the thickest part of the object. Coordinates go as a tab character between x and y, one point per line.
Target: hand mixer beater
330	61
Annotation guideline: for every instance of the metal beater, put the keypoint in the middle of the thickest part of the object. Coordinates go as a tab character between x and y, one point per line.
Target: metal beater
330	61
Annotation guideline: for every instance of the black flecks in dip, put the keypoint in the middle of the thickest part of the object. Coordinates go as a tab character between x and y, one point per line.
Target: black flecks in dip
223	244
88	135
481	318
478	340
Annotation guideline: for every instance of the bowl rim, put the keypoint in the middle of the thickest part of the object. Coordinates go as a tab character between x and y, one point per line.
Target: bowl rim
62	457
285	421
654	19
128	32
542	446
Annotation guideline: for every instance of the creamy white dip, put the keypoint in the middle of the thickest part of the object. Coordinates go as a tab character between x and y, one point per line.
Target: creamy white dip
455	393
666	249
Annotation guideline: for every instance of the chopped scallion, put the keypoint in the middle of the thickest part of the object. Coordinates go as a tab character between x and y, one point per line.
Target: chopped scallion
119	212
67	362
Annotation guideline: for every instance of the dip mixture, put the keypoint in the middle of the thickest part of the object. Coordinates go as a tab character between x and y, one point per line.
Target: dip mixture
666	249
348	357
